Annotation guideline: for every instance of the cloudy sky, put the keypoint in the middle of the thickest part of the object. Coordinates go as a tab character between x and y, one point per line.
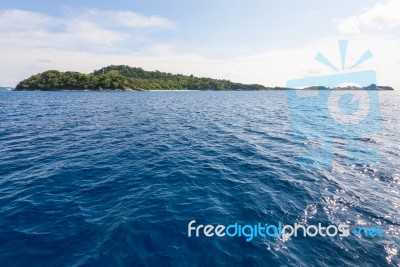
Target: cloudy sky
254	41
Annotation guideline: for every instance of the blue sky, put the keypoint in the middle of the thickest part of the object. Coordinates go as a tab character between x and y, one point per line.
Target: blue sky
259	41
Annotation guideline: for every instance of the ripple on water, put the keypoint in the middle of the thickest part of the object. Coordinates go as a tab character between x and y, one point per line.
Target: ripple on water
112	179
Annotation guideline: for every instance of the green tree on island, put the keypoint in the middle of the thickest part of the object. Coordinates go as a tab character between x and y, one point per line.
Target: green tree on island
126	78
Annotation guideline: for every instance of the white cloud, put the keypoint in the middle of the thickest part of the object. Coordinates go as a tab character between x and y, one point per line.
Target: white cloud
21	20
350	25
127	19
378	17
90	40
135	20
91	33
88	30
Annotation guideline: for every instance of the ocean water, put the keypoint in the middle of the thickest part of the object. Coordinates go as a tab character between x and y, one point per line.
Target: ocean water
114	178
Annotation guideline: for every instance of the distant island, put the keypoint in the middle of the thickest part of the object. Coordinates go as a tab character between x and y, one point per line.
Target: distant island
369	87
127	78
3	88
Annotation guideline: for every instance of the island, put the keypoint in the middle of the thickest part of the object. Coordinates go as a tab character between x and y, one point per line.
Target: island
128	79
125	78
3	88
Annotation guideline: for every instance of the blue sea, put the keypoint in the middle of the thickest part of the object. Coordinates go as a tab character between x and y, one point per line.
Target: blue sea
114	178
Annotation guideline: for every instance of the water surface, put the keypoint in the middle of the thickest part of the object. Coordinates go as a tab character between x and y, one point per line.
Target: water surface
113	178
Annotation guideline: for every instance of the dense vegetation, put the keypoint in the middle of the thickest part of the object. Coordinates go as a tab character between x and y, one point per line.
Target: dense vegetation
126	78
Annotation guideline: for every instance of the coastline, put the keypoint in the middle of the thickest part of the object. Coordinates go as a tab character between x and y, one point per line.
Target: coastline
196	90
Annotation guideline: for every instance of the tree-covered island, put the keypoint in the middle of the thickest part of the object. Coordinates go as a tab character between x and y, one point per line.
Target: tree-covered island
127	78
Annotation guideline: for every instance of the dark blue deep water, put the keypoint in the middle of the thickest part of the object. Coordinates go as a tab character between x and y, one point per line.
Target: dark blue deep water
113	179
